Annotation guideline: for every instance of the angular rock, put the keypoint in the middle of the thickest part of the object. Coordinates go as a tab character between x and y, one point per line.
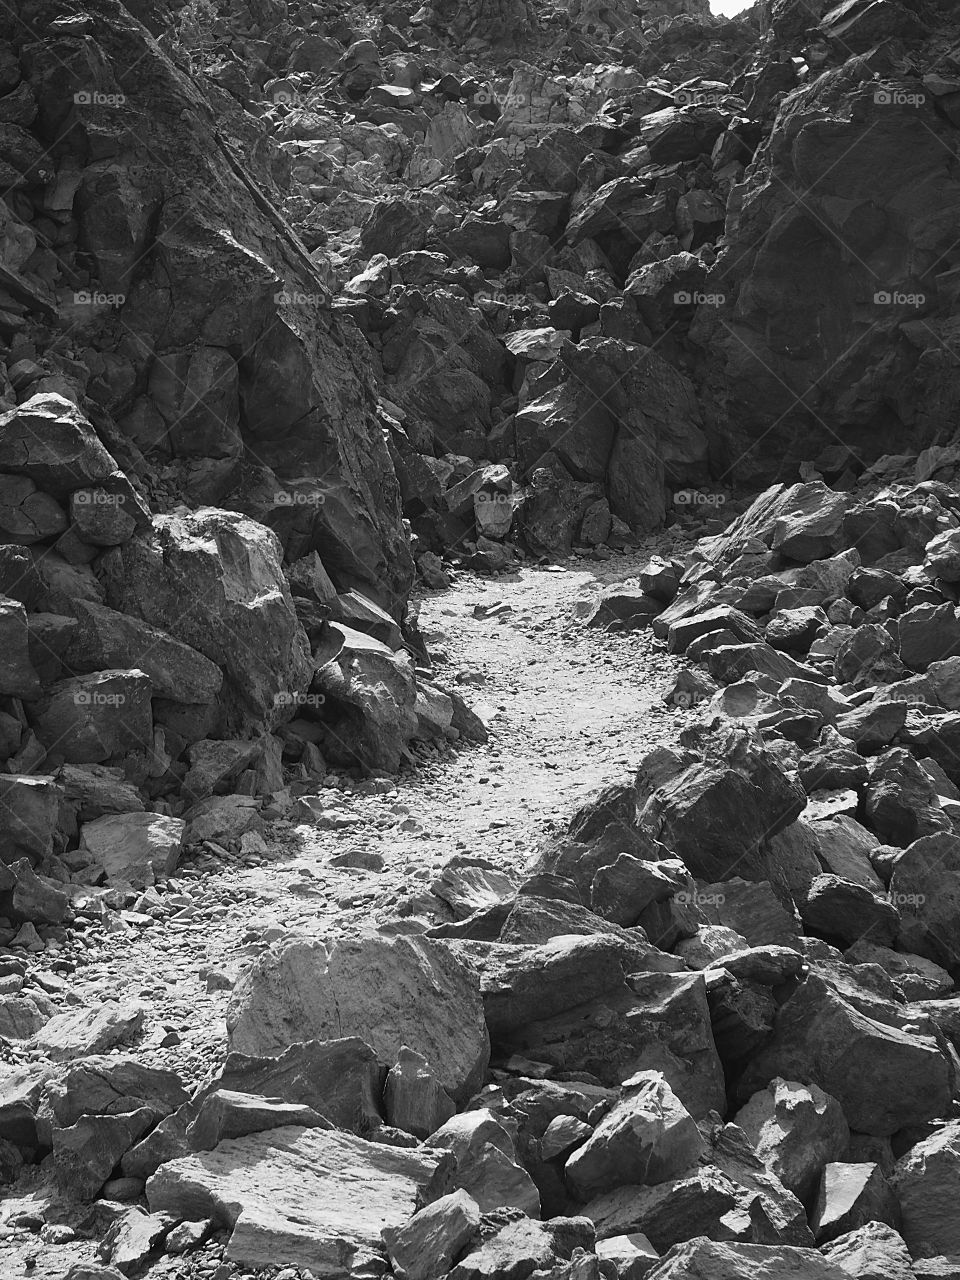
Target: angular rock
647	1137
883	1077
414	1099
927	1182
429	1244
384	990
313	1197
851	1196
795	1129
134	848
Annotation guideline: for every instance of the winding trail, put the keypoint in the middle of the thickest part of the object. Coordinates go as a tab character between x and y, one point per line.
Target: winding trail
570	709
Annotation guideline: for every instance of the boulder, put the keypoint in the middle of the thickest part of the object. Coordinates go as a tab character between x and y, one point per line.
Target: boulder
30	811
697	1259
91	718
927	1183
104	638
851	1196
646	1137
428	1245
313	1197
795	1129
872	1252
213	581
486	1162
883	1077
133	848
414	1099
389	991
925	889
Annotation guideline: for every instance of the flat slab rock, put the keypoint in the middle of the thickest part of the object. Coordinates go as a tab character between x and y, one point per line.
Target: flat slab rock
302	1197
704	1259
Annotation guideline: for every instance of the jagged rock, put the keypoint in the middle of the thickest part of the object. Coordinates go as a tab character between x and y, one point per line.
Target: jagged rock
900	799
102	1085
85	1153
29	811
213	581
883	1077
134	848
851	1196
715	813
224	1113
926	1181
429	1244
414	1098
36	898
723	1261
872	1252
379	988
631	1257
105	638
342	1079
17	674
524	1247
795	1129
916	977
132	1237
369	698
924	887
81	1032
646	1138
928	633
307	1195
486	1162
91	718
837	908
729	1194
539	982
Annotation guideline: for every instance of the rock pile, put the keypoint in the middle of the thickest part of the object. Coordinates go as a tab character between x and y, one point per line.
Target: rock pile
191	631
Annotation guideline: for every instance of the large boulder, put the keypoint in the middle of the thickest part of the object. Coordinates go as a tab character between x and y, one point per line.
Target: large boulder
307	1196
883	1076
717	813
927	1184
213	580
388	991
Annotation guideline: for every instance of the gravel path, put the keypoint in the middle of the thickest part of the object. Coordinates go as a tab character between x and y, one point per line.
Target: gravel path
570	709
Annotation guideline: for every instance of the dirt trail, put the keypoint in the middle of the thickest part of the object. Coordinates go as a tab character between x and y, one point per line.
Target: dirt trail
570	709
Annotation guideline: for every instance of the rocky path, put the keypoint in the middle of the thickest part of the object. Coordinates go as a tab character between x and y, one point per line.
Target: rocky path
570	709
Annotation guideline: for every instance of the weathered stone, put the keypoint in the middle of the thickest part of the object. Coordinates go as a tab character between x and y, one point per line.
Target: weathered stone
851	1196
486	1162
342	1079
431	1241
883	1077
224	1113
925	889
379	988
313	1197
927	1183
795	1129
90	718
80	1032
872	1252
645	1138
134	848
414	1099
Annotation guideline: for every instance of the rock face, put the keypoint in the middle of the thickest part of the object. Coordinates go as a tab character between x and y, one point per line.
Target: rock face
390	992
